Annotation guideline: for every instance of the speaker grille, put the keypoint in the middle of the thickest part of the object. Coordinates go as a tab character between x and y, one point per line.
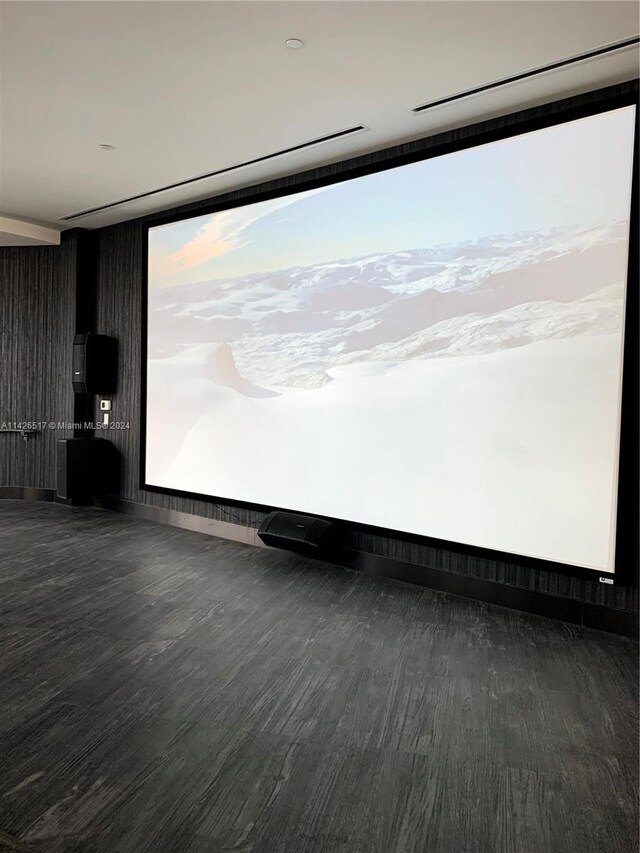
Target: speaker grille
295	532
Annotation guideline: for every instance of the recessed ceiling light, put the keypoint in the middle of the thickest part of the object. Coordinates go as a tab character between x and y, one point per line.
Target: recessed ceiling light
105	147
294	44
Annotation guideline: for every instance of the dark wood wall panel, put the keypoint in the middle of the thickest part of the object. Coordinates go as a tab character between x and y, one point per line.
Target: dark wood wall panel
118	313
37	292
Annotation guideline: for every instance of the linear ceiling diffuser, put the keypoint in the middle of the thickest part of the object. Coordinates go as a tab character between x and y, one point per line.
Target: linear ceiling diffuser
533	72
328	138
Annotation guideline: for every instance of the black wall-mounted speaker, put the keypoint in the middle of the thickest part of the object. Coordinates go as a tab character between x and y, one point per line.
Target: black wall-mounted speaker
95	364
295	532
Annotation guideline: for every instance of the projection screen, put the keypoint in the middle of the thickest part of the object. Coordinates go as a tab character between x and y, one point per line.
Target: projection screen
435	348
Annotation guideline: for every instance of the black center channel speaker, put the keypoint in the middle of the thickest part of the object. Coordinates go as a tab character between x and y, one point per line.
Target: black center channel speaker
296	532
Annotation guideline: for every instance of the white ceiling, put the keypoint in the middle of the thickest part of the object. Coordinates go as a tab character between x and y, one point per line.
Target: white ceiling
185	88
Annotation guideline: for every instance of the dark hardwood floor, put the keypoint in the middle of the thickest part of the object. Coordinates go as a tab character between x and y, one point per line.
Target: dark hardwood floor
165	691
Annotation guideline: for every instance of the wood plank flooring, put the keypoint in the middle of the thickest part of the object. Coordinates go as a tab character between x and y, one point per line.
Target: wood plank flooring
162	691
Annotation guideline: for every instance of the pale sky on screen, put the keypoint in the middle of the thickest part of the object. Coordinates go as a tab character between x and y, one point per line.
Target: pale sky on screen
577	173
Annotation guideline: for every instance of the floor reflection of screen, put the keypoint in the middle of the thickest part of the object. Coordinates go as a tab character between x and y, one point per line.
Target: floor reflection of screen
435	348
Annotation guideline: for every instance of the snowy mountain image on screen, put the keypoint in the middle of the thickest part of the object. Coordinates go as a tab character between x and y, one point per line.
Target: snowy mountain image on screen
296	327
433	348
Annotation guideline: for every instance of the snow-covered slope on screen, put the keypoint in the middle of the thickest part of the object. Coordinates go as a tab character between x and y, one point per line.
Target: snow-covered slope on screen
467	449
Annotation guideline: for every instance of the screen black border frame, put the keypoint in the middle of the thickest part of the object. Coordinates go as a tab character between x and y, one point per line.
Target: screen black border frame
470	136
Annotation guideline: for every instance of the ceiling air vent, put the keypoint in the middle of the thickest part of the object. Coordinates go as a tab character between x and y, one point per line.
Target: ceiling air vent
328	138
533	72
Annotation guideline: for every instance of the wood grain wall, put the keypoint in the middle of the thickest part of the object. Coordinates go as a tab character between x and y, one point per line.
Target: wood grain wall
118	313
37	293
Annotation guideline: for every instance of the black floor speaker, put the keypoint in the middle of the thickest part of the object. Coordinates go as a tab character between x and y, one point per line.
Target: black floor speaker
85	468
296	532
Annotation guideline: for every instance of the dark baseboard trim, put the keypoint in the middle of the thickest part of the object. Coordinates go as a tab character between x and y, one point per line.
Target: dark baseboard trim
614	621
184	520
583	613
530	601
26	493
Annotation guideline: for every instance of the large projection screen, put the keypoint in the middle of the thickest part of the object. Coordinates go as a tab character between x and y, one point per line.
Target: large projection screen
435	348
